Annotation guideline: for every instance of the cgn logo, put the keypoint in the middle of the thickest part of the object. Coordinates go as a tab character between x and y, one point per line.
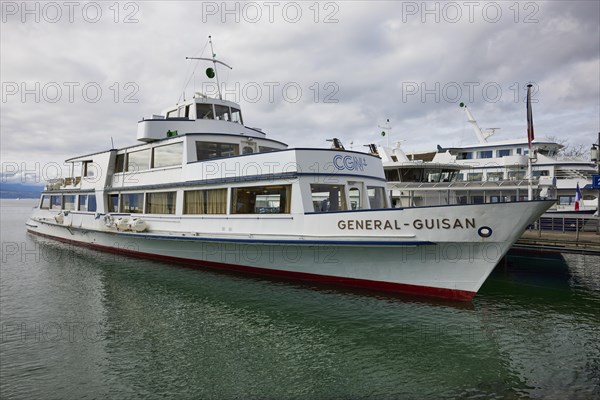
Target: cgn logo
350	163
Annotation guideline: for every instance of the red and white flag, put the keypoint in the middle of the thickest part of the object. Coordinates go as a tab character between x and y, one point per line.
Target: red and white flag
578	197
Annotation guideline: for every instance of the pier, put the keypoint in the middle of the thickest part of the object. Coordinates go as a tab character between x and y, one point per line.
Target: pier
562	233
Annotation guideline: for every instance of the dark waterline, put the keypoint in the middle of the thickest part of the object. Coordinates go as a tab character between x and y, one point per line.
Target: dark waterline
77	323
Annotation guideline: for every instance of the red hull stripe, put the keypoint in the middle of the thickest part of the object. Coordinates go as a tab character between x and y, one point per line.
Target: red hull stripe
428	291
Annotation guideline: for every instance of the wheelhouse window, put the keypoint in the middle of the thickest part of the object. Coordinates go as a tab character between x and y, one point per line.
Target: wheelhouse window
327	198
261	200
132	203
485	154
69	202
355	202
56	202
113	203
208	150
138	160
266	149
168	155
504	152
212	201
161	203
236	116
204	111
45	202
376	197
222	113
467	155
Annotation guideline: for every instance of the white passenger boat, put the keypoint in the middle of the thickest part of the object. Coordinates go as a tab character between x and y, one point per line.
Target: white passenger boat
203	189
490	172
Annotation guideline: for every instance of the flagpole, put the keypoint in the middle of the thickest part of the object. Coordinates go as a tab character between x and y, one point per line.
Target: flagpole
529	139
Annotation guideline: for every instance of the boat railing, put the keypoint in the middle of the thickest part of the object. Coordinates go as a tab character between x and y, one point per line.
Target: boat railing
567	223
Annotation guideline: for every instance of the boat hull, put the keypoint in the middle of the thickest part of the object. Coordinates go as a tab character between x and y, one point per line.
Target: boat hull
454	269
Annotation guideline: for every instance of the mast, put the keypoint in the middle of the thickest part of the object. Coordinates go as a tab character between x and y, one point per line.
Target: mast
212	72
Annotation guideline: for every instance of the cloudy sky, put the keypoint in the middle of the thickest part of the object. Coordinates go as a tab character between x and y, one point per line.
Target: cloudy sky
76	74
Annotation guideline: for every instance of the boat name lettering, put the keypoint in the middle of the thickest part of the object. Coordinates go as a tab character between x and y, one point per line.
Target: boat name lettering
349	163
444	223
427	223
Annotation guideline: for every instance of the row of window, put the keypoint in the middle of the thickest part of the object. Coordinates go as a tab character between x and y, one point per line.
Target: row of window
468	155
71	202
499	176
206	111
157	157
273	199
172	154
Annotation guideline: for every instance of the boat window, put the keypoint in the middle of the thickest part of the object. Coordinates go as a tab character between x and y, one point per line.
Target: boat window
113	203
261	200
82	202
208	150
91	206
504	152
566	200
169	155
478	200
355	202
411	175
495	176
516	175
172	114
376	197
204	111
88	168
475	176
120	163
391	175
467	155
69	202
161	203
222	113
485	154
236	116
543	172
328	197
45	202
132	203
138	160
56	202
182	112
265	149
460	177
212	201
247	150
519	150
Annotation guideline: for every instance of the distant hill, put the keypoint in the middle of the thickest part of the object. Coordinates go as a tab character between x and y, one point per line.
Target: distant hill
19	191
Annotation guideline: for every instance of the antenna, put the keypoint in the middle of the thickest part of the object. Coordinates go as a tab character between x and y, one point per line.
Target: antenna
211	71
